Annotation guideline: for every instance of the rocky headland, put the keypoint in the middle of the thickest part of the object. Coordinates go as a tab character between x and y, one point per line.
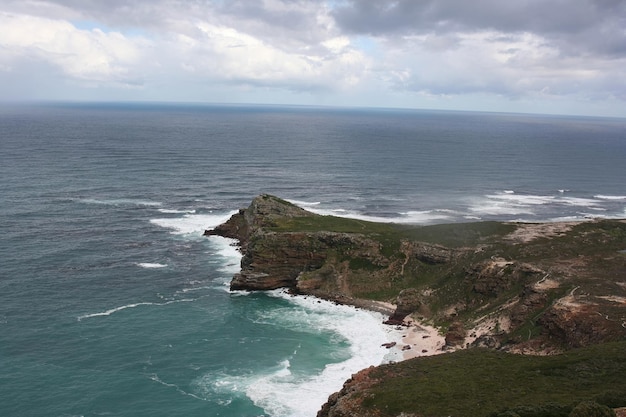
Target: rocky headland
508	287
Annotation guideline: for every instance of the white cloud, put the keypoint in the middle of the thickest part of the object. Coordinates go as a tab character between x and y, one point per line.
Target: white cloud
224	54
203	50
349	52
93	56
510	65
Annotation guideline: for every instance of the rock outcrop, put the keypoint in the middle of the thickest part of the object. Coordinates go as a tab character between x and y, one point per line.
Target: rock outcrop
285	246
407	302
484	382
345	402
579	321
521	292
264	211
270	259
311	262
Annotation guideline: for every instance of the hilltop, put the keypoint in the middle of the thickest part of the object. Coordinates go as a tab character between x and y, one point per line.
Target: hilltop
540	288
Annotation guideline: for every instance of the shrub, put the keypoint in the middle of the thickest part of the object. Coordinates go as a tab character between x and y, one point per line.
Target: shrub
507	413
591	409
612	399
545	410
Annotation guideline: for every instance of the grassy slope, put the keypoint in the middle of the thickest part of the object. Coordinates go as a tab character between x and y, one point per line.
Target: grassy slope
596	244
452	235
476	382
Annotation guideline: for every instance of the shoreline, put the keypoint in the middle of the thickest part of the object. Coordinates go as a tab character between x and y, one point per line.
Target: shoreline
414	339
411	339
423	340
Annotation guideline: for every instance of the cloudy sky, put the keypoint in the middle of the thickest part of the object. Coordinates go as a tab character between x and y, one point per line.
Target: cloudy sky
539	56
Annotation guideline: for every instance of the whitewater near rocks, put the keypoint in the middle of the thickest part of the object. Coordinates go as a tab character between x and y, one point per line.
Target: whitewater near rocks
113	302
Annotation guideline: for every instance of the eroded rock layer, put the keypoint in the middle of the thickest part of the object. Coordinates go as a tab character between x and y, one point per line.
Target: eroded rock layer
514	287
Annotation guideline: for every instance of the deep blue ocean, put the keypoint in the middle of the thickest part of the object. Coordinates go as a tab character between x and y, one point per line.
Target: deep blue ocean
112	303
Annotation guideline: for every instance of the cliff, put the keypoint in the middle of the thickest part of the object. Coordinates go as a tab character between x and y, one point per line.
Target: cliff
489	383
523	288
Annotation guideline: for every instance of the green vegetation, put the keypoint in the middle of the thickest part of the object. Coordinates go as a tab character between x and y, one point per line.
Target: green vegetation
519	287
452	235
480	382
456	235
589	256
388	235
583	409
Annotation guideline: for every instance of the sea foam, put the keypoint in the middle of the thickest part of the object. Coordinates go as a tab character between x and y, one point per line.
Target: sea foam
409	217
175	211
192	224
120	202
303	204
132	305
610	197
284	393
151	265
228	250
510	203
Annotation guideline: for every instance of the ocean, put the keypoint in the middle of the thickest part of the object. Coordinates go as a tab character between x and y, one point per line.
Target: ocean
113	303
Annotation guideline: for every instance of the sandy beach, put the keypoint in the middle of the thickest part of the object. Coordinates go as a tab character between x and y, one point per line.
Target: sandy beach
417	339
421	340
412	339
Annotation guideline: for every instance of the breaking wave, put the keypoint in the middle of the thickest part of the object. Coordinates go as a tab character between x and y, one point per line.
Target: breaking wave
127	306
284	390
151	265
192	224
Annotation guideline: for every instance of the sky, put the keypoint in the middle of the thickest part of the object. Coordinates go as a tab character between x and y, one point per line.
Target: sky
531	56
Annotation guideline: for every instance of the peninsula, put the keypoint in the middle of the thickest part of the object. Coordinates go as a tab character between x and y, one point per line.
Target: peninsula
493	289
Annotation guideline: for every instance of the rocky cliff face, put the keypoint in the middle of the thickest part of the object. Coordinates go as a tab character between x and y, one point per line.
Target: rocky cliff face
309	261
348	402
515	287
482	382
263	212
521	290
270	260
335	265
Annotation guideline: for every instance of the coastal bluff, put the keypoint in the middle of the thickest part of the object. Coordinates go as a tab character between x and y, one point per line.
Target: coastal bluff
285	246
270	259
517	286
541	288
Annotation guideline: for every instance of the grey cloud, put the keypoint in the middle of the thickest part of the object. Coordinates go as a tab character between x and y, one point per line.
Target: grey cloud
511	49
293	15
294	26
288	24
586	24
366	16
115	14
288	20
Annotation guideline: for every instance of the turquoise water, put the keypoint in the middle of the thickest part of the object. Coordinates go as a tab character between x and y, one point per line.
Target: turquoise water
113	303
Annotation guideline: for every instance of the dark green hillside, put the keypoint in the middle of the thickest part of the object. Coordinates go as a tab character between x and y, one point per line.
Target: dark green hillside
481	383
510	287
524	287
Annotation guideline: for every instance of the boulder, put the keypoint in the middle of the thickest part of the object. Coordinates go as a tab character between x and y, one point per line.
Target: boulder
407	302
455	335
